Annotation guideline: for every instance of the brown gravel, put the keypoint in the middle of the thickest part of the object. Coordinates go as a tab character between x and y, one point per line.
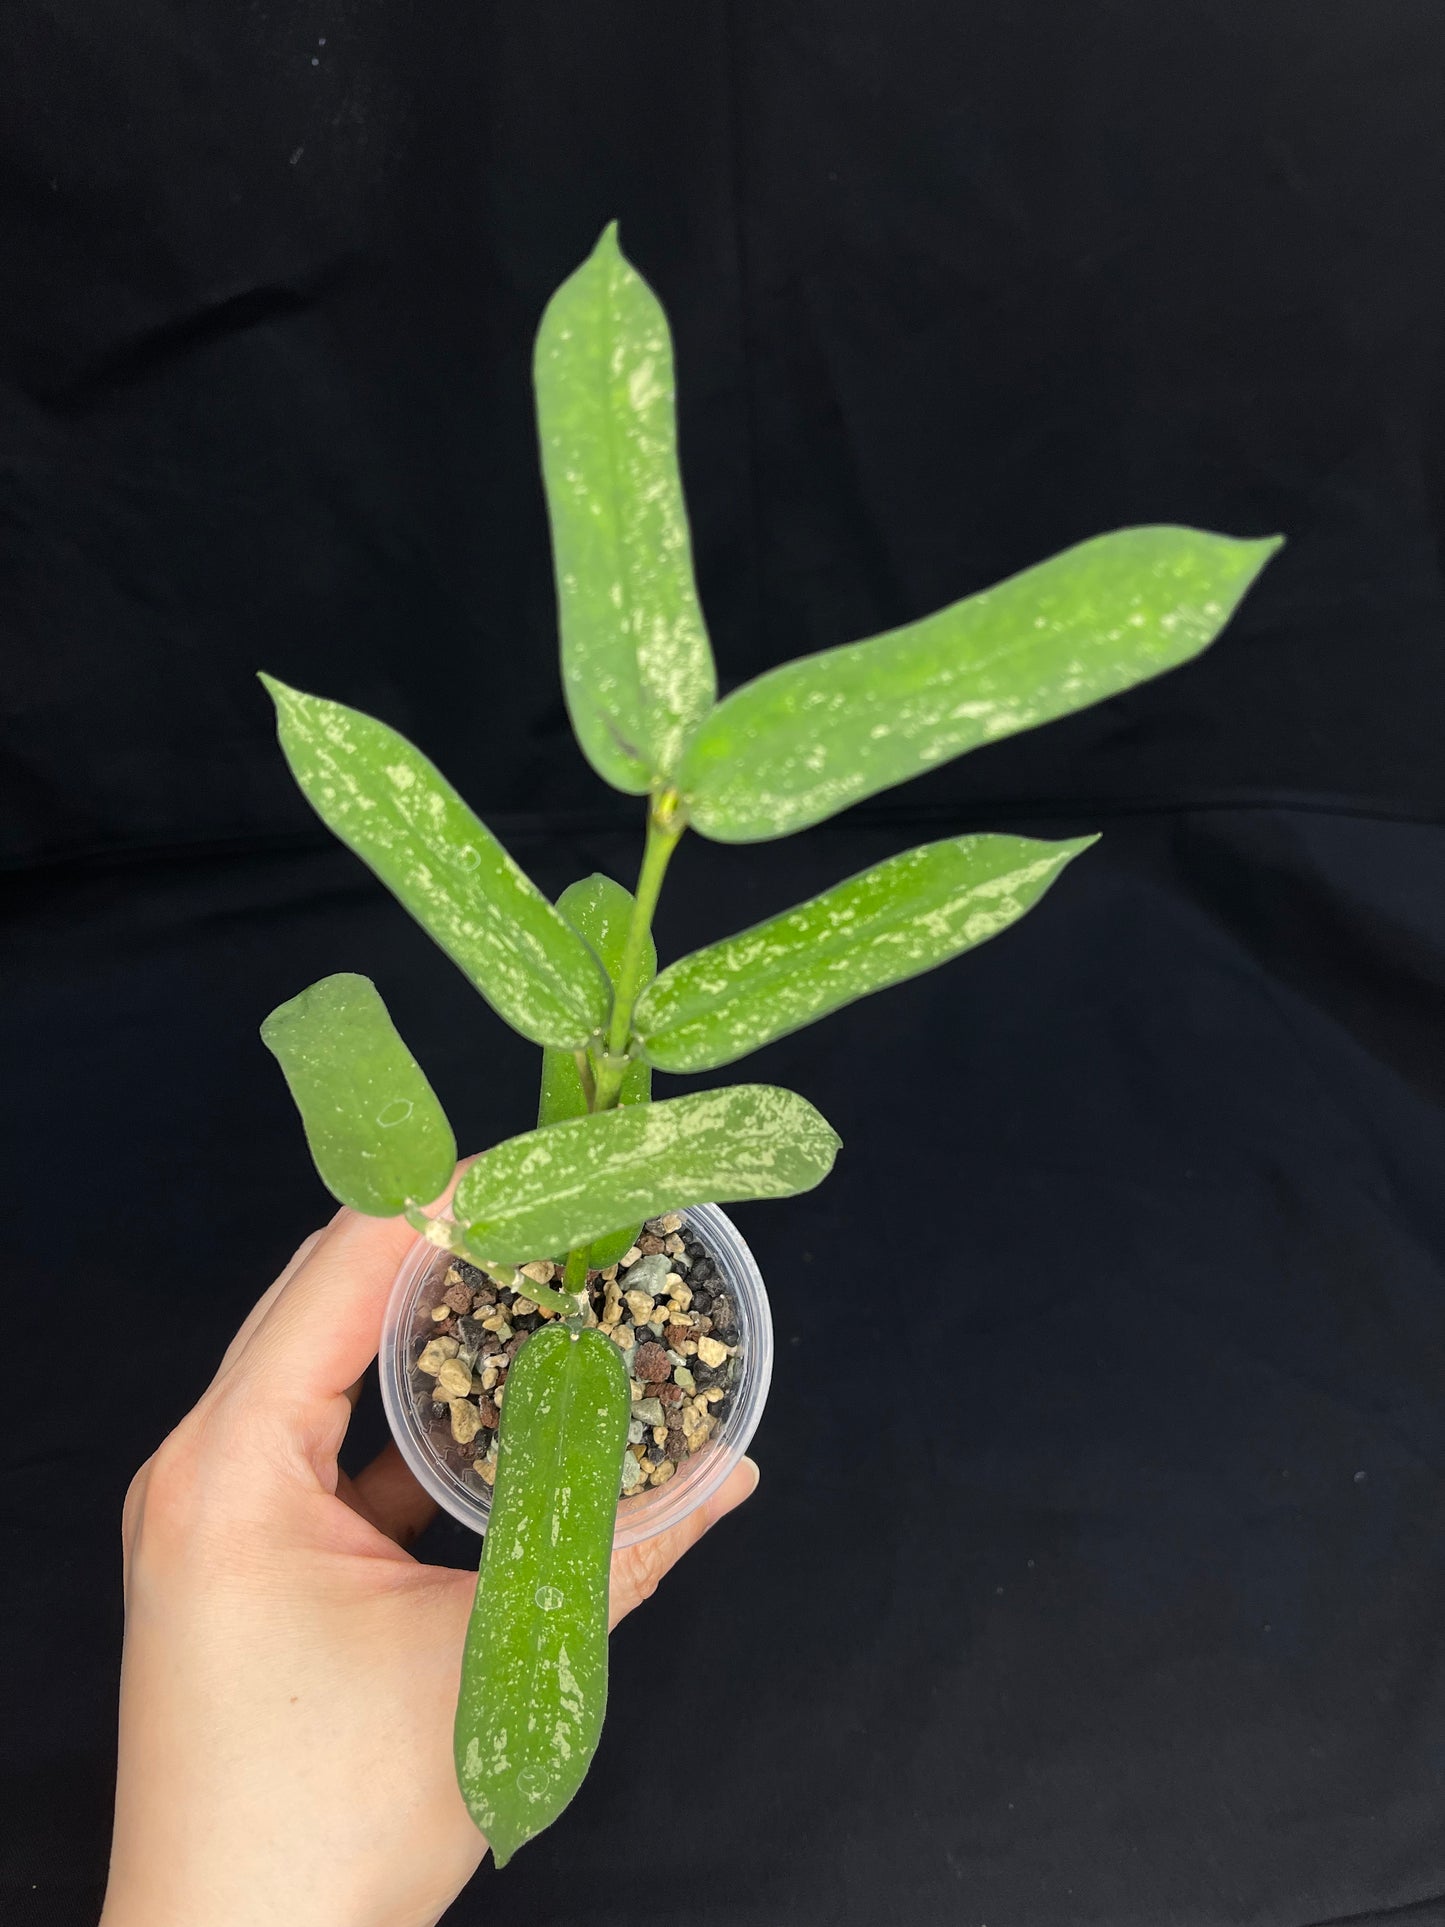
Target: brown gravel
671	1419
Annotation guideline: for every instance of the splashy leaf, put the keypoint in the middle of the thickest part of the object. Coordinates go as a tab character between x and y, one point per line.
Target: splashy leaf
552	1189
534	1673
805	740
396	810
887	924
636	662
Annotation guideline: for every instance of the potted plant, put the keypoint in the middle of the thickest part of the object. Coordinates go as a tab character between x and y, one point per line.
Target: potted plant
581	1341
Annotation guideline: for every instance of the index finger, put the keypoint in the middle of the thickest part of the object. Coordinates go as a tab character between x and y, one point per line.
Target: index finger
264	1303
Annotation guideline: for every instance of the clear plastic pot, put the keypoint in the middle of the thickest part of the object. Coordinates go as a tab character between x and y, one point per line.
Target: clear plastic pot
407	1325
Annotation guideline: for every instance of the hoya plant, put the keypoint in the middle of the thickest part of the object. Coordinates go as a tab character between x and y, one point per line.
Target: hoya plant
579	978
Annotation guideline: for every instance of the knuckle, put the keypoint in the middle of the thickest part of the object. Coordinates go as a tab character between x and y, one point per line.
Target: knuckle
165	1487
647	1565
176	1490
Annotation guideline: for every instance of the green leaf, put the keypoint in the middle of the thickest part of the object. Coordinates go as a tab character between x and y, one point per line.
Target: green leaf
878	928
534	1673
398	812
376	1130
601	910
636	663
554	1189
603	1252
804	741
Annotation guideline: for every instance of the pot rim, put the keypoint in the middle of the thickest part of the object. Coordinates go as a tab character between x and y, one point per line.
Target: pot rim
661	1507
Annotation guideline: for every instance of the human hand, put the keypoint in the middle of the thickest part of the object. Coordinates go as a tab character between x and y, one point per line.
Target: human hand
290	1672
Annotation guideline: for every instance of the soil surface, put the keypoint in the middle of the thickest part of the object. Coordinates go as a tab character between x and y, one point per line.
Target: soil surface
665	1306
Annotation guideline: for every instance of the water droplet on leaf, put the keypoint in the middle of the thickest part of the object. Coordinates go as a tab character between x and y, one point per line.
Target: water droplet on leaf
397	1112
549	1598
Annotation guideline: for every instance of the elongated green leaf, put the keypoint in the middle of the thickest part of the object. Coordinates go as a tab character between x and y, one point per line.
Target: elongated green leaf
401	816
601	910
376	1130
534	1674
636	663
609	1250
551	1190
804	741
878	928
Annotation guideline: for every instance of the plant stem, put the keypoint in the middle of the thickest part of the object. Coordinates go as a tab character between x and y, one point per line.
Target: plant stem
574	1278
448	1237
666	821
585	1077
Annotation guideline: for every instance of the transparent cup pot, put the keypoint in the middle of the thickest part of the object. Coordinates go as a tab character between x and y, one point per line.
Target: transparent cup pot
408	1324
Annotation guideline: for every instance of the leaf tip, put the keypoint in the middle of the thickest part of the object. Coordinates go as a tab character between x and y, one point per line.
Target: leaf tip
281	693
1256	551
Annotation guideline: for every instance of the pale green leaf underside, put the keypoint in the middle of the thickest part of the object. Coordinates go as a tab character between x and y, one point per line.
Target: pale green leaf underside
534	1673
375	1128
551	1190
637	666
887	924
806	740
399	814
600	910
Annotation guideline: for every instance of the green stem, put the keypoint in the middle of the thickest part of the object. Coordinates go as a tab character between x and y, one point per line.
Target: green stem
666	821
448	1237
574	1279
585	1077
543	1295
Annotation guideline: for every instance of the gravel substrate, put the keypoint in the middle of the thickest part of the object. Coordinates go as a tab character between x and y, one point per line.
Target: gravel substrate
665	1308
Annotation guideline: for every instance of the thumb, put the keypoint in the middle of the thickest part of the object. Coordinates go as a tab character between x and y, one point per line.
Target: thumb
638	1570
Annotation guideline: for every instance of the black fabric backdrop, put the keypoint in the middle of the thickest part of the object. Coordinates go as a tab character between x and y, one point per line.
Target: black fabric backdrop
1117	1593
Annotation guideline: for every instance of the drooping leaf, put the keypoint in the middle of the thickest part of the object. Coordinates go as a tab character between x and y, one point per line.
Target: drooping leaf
881	927
637	666
534	1673
553	1189
400	815
375	1128
600	909
806	740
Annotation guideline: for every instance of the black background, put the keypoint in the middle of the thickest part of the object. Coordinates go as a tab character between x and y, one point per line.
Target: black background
1112	1593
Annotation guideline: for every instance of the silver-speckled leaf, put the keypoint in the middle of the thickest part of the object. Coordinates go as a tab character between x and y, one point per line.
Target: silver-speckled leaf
379	1137
887	924
600	909
534	1673
401	816
553	1189
637	666
806	740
